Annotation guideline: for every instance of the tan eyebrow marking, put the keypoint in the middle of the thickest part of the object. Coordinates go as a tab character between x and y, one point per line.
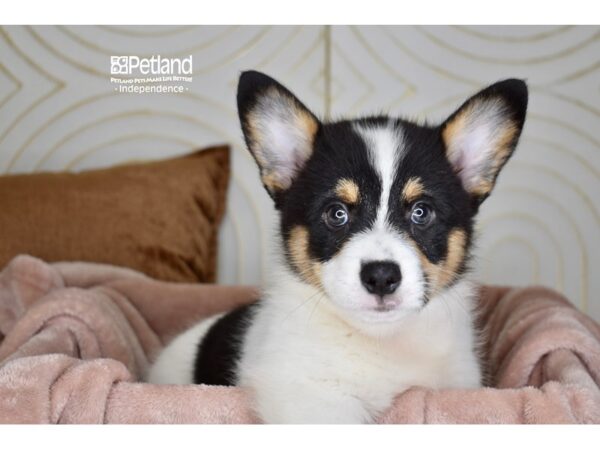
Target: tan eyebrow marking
412	190
347	190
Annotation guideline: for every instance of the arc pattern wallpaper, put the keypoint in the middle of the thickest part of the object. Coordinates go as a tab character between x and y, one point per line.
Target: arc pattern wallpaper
60	111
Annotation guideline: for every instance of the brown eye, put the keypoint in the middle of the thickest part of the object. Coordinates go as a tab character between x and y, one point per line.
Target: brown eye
336	216
421	214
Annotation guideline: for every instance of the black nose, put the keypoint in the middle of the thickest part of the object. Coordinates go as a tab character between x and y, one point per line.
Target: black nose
380	277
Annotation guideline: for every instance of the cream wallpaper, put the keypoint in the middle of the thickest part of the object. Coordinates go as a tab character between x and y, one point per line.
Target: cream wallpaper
58	110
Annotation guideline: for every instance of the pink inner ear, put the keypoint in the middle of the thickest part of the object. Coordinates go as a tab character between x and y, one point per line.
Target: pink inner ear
290	149
475	154
472	149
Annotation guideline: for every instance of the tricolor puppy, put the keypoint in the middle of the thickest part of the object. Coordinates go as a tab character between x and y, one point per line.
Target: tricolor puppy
370	295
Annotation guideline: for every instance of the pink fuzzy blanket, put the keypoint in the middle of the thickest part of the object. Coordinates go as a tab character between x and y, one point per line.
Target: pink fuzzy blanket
75	337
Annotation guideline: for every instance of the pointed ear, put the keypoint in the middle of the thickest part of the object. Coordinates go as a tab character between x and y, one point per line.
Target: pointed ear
279	130
483	133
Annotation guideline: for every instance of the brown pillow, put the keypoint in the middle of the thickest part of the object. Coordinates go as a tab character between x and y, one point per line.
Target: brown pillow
160	218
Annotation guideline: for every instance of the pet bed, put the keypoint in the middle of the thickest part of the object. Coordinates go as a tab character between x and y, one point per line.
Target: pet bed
75	338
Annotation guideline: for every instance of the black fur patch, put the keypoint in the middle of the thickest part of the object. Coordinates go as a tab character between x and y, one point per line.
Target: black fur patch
339	153
219	350
424	158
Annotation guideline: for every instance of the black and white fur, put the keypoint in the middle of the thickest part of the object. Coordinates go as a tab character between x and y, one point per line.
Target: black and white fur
370	295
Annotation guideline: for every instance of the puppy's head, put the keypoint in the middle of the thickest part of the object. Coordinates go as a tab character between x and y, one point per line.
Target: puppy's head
378	212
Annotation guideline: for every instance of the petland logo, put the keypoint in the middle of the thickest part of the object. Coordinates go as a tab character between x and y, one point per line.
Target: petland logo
154	75
155	65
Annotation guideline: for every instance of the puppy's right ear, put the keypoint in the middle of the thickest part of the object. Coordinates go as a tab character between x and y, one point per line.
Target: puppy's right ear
279	130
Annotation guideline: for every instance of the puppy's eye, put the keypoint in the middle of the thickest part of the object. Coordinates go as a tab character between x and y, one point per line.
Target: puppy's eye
336	216
422	214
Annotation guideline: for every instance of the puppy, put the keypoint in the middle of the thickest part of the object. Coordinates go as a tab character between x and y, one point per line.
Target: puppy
370	295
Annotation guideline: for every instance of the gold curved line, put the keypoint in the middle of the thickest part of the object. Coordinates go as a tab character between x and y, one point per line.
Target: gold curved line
406	95
108	52
239	52
356	72
145	112
522	242
557	175
231	112
6	99
376	56
567	217
14	80
570	154
513	39
296	31
64	58
434	68
320	75
566	125
574	101
123	138
47	124
9	75
317	42
26	57
443	72
529	218
126	31
454	100
20	117
578	74
57	87
508	61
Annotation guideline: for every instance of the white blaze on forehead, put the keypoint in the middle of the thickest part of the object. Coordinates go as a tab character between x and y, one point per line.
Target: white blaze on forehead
384	144
340	275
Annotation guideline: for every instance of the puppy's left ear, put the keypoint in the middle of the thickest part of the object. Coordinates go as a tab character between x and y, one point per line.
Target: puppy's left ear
483	133
278	128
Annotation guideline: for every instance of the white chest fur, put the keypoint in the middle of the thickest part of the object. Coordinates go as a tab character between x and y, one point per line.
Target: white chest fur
305	365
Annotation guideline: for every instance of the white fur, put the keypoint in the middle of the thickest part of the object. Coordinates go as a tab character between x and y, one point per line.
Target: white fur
305	364
385	148
344	288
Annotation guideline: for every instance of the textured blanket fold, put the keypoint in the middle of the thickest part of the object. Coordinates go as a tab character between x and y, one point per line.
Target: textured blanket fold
75	338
